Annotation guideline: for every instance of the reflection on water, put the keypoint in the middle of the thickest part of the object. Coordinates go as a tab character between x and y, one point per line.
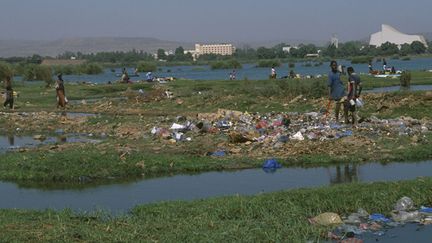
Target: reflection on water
10	142
344	174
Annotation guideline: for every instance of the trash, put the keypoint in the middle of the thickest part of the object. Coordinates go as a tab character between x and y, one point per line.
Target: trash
425	210
404	204
271	164
326	219
403	216
298	136
359	102
378	218
176	126
219	153
39	137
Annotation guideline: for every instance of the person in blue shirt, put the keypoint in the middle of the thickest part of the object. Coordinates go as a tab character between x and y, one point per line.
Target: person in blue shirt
335	87
149	77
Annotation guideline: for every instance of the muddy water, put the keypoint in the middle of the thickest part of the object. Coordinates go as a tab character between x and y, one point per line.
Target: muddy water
12	142
121	197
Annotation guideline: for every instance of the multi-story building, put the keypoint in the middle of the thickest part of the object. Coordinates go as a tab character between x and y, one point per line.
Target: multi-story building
218	49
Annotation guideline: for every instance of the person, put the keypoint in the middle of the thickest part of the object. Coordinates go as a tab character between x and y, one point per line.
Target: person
273	73
292	74
60	92
393	70
335	87
370	67
384	64
149	77
125	76
354	91
9	93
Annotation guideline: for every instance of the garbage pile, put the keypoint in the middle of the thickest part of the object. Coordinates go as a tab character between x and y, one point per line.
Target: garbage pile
275	130
354	225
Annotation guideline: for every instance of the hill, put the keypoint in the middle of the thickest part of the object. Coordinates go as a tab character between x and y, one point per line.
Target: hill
10	48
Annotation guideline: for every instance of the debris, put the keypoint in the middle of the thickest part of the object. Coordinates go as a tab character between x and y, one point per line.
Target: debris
404	204
327	219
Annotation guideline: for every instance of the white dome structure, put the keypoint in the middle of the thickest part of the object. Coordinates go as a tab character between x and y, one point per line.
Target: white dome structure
390	34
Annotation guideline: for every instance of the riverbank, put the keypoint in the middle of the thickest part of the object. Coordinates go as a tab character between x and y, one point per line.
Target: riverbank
279	216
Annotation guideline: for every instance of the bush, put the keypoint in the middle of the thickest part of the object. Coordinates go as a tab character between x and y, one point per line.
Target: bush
405	79
226	64
146	67
291	65
5	70
269	63
38	72
406	59
90	68
362	59
86	68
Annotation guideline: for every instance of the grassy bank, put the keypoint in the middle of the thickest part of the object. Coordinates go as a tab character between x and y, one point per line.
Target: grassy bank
270	217
108	160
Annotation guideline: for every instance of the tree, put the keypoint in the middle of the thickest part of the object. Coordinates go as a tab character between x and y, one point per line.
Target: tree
418	47
405	49
179	51
161	54
389	48
265	53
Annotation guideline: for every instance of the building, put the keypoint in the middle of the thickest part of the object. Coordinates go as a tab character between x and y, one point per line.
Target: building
288	49
390	34
334	41
218	49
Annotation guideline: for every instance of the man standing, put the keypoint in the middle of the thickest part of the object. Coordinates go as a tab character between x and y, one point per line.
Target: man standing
273	73
9	93
354	90
335	87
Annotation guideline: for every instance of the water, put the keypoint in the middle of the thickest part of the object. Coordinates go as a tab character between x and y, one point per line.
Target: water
398	88
405	233
248	71
13	142
119	198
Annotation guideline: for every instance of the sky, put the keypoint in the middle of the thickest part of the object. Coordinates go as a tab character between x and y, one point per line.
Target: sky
210	20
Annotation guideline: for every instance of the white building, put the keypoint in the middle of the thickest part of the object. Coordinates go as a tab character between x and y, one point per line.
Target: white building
287	49
218	49
390	34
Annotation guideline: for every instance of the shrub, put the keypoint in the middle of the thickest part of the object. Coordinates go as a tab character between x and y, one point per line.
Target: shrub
291	65
146	67
406	59
362	59
38	72
5	70
405	79
226	64
269	63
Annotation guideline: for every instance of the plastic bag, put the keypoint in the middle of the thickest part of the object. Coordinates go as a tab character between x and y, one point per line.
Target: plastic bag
271	164
404	204
359	102
326	219
378	218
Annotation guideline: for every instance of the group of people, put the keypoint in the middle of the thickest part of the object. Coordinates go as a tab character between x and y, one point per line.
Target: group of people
338	94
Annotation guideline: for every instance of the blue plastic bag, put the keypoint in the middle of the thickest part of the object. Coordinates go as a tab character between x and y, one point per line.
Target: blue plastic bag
378	218
219	153
271	165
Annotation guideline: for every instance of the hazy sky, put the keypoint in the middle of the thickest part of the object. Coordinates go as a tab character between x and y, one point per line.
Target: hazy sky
210	20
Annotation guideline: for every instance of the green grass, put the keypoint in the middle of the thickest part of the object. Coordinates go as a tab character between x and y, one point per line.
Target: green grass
271	217
101	163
